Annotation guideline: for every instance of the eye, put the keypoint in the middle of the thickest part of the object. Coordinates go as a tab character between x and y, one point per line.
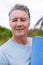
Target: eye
15	20
23	19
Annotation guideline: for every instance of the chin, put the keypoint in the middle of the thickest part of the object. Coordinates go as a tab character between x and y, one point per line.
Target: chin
19	35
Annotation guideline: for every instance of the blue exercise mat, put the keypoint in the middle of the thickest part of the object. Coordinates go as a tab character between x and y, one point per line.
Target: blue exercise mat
37	51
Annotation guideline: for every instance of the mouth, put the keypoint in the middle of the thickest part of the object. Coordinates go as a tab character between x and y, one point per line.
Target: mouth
19	30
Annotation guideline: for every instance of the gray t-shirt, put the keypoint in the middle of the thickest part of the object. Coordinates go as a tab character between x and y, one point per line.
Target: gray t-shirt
12	53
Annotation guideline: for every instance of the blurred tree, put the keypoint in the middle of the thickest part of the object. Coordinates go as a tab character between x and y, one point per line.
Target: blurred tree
5	34
38	22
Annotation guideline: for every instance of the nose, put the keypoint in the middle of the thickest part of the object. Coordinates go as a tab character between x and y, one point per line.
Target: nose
19	23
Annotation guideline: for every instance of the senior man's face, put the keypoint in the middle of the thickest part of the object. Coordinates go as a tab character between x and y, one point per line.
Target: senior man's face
19	23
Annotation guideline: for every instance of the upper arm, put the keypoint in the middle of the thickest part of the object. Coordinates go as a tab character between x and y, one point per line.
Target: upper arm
3	60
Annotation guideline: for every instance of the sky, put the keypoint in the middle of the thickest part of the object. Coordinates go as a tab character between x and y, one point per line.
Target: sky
35	6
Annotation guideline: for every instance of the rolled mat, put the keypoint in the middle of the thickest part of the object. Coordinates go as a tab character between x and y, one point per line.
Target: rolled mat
37	51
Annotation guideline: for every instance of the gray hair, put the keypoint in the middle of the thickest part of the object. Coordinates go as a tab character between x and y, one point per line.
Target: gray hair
20	7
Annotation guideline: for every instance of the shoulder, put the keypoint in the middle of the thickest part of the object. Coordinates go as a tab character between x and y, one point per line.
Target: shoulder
3	52
5	46
3	60
30	40
8	47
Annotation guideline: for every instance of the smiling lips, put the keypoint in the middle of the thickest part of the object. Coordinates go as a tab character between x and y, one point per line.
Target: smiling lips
20	29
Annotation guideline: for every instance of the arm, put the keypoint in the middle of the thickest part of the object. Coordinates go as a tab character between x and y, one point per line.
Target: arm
3	60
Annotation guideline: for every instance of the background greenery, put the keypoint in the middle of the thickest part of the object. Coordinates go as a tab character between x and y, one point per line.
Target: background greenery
6	34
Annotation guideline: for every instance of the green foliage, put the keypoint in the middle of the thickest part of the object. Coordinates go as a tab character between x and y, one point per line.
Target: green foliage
5	34
35	32
30	33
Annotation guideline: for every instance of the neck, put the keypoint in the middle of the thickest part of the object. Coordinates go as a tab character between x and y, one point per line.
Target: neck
21	40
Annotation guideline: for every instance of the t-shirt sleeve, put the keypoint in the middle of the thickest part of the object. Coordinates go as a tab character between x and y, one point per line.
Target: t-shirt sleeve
3	60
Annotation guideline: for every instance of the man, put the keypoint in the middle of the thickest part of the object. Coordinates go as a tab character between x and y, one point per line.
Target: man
17	50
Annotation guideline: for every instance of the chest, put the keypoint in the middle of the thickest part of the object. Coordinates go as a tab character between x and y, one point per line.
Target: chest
19	56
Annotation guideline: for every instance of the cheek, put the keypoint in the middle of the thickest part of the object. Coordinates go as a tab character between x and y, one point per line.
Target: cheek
12	25
27	24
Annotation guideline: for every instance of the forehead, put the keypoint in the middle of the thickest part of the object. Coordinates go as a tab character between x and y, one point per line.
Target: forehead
18	13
